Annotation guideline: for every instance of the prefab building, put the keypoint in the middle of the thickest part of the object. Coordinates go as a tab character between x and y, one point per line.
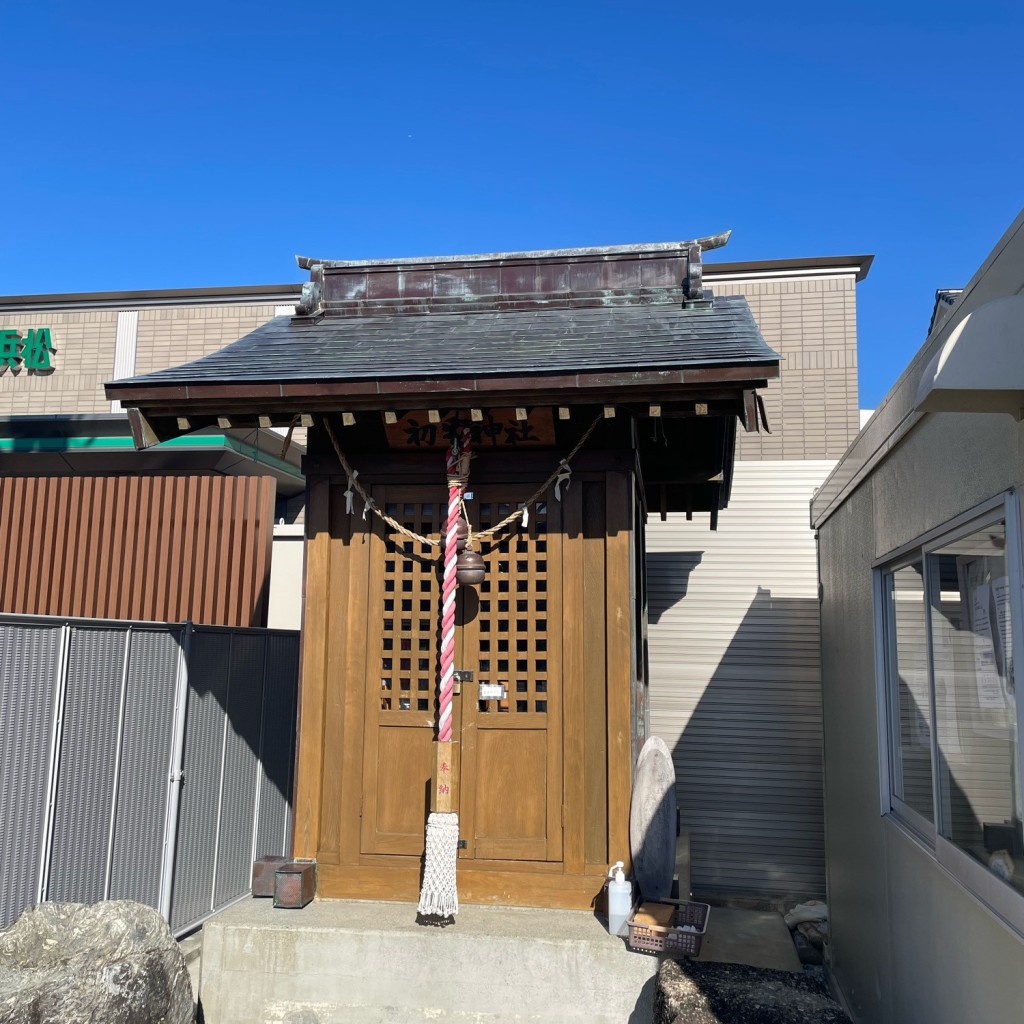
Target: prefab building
919	531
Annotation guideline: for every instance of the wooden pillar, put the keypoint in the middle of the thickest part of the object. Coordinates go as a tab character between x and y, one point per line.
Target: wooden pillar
313	677
574	641
619	618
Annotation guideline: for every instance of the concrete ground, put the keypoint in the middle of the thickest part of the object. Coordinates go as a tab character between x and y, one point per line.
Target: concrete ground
371	963
751	937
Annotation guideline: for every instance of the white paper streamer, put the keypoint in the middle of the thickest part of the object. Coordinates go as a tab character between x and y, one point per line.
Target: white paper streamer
564	473
350	493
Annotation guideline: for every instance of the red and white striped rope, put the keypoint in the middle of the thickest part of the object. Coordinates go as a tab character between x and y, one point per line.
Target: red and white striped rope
456	485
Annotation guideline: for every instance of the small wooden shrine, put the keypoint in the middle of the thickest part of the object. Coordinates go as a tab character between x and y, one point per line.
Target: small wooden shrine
596	387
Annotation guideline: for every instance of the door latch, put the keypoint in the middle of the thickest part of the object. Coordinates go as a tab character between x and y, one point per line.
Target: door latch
460	676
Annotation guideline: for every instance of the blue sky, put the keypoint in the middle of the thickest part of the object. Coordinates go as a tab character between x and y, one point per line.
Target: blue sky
205	144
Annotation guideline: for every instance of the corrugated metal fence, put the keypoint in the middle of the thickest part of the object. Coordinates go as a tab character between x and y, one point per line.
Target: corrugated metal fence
143	761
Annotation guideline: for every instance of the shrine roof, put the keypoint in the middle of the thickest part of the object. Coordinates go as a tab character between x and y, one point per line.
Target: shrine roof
498	343
599	327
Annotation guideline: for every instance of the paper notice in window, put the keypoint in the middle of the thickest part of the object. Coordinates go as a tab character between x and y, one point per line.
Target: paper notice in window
986	673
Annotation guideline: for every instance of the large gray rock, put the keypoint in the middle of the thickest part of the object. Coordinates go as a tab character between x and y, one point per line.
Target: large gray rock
692	992
110	963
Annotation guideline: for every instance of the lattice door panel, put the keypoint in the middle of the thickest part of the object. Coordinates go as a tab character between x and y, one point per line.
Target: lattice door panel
409	612
511	775
401	679
512	618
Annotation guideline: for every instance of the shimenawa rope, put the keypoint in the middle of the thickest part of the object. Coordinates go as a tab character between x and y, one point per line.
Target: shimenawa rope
522	512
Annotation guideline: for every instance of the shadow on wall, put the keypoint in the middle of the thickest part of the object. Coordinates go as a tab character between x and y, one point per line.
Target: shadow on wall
749	761
672	570
252	677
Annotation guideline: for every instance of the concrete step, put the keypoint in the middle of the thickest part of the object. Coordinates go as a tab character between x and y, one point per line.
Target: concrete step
370	963
322	1013
192	950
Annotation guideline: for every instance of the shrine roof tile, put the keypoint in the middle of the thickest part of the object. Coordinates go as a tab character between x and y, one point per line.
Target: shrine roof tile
502	343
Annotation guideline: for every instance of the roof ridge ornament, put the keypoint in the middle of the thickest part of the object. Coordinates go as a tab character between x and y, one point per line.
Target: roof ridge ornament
309	304
694	296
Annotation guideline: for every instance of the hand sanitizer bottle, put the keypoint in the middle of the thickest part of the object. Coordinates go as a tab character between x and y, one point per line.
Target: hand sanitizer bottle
620	900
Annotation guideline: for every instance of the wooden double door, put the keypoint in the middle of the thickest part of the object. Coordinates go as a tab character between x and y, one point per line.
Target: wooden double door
508	719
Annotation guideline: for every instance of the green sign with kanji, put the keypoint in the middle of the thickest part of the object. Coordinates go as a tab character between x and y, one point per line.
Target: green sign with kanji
32	352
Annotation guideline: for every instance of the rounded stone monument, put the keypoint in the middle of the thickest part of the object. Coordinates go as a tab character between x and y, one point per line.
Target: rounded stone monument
652	821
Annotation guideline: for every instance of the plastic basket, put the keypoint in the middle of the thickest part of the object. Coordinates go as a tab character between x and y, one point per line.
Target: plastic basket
652	938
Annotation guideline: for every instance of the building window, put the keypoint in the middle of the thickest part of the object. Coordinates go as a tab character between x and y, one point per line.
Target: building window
950	608
910	703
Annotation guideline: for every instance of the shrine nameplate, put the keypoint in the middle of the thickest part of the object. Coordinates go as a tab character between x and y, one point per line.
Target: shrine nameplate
499	428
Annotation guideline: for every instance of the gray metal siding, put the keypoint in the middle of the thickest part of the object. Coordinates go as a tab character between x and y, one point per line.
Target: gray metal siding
109	750
200	797
241	747
735	682
277	753
88	753
29	663
145	760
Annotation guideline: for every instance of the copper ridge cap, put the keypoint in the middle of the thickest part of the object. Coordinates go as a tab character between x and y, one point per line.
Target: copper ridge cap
708	242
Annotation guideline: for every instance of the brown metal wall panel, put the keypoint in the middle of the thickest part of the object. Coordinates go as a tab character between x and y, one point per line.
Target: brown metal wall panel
156	548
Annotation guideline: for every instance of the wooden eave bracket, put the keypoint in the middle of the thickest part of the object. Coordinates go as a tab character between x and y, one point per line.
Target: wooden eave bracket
144	435
753	417
748	415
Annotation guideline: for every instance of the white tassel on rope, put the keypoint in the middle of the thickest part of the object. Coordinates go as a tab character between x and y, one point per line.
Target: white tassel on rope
439	896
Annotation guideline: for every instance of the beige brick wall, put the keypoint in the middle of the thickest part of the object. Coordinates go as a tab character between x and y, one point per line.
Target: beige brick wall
169	337
83	360
85	341
812	408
